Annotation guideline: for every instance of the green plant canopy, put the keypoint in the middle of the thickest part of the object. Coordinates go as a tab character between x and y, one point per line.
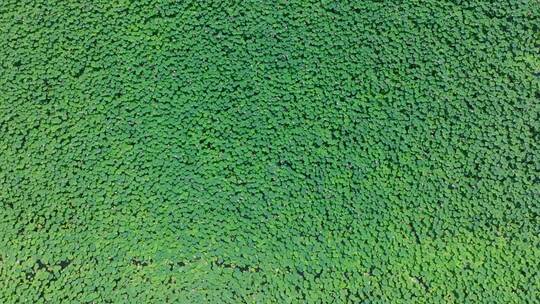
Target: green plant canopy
269	151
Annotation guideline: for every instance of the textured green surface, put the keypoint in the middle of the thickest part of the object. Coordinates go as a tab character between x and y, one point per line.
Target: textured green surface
269	152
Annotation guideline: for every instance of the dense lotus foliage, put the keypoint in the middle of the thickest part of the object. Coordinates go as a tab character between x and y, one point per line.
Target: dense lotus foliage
269	151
